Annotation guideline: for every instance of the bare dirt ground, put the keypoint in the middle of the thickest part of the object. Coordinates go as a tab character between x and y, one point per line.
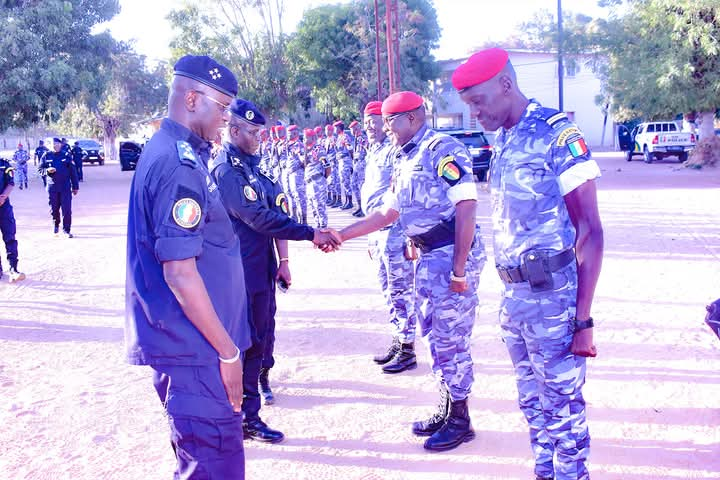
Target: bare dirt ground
71	409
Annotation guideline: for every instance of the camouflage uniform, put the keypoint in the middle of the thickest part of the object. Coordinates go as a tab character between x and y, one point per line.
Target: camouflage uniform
433	172
296	179
282	156
265	159
395	273
316	186
334	178
360	148
21	158
343	154
536	163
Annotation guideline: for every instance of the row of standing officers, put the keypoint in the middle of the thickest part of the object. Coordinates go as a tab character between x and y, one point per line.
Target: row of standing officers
201	230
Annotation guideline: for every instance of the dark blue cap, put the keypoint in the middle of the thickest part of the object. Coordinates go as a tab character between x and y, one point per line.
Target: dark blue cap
57	140
247	110
206	70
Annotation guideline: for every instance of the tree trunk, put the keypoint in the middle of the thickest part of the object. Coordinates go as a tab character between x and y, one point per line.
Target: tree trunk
707	150
110	130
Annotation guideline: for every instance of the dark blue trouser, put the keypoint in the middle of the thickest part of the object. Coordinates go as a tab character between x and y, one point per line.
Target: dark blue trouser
61	200
205	433
78	167
262	316
268	360
7	226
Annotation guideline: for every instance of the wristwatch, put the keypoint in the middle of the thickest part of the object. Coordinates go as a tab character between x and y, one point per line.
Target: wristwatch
583	324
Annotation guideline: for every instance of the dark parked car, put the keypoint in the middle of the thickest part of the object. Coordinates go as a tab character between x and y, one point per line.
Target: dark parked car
479	148
129	155
93	151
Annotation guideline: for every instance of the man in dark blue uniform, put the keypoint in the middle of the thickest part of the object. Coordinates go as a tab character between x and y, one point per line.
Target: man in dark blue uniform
7	220
259	214
39	154
62	183
184	316
77	158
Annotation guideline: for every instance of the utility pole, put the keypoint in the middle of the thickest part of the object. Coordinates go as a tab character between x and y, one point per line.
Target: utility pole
560	57
377	52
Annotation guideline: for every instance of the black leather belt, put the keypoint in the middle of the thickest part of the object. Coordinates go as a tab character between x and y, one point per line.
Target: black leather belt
519	274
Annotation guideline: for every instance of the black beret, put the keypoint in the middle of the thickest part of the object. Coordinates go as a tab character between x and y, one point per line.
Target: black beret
206	70
57	140
247	110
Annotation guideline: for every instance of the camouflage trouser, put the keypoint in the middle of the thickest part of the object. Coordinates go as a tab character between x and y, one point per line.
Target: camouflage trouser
334	178
316	191
397	280
446	317
537	332
22	175
345	168
358	178
286	187
297	191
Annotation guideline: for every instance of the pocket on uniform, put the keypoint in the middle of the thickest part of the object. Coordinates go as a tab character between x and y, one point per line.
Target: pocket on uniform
195	438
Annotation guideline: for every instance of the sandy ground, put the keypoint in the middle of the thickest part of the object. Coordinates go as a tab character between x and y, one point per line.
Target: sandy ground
71	409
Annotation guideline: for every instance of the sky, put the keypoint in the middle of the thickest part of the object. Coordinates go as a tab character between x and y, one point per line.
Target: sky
464	23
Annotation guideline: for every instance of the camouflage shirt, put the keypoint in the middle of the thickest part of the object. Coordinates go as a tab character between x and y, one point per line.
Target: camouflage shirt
378	175
433	172
360	148
536	163
344	145
315	161
295	151
329	144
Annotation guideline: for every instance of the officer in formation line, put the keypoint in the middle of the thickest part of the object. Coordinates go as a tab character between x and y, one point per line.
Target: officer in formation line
61	179
257	208
317	168
548	244
359	152
184	316
434	198
344	156
387	247
7	220
296	174
21	158
78	154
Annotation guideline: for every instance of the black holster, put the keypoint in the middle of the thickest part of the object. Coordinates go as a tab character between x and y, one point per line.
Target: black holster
441	235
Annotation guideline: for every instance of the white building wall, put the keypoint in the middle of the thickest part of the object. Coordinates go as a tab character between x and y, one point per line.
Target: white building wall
537	78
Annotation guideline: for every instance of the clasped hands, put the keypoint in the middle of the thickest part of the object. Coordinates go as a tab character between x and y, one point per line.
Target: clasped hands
327	239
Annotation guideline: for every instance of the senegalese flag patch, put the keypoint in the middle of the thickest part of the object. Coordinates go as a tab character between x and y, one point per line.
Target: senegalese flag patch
281	201
250	194
578	148
186	213
449	170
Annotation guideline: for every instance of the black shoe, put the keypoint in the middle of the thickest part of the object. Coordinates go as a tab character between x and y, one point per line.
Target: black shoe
358	213
457	429
348	203
21	187
330	200
337	202
68	235
264	381
256	429
425	428
538	477
403	360
56	229
387	356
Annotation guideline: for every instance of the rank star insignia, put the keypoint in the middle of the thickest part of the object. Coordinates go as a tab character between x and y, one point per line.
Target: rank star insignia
215	73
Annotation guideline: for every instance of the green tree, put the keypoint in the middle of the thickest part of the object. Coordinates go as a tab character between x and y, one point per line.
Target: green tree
48	54
125	93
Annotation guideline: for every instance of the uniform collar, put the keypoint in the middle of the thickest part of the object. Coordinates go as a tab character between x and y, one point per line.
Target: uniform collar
530	116
414	141
181	132
233	151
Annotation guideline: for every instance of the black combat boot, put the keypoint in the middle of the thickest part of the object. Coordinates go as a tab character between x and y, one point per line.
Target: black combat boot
258	430
338	202
358	213
425	428
348	203
403	360
330	199
457	429
387	356
264	381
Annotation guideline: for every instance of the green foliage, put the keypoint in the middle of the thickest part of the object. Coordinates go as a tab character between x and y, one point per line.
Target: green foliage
48	54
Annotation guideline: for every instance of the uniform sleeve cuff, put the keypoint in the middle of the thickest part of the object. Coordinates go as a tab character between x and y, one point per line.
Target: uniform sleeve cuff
169	249
462	191
578	174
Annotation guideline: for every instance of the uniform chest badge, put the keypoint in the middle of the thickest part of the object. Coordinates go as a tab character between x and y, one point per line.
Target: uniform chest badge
449	170
281	201
250	194
186	213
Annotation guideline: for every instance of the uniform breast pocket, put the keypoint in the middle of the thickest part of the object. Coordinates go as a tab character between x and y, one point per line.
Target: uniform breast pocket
218	229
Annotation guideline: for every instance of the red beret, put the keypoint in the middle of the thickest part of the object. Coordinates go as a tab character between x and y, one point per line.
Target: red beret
337	123
373	108
279	128
318	129
401	102
328	127
479	68
292	127
309	132
354	123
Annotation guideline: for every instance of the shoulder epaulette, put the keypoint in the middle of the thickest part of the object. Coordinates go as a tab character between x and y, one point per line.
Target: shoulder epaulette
186	154
556	119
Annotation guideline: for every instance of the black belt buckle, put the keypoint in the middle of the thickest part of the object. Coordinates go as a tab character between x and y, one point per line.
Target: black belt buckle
504	275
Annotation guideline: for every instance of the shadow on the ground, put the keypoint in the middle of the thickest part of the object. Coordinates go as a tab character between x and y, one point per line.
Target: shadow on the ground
54	332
